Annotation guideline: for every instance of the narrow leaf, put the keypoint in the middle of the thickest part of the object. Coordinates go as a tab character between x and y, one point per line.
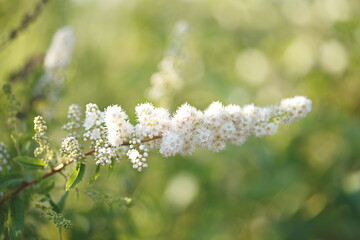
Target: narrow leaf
111	167
62	201
45	186
10	180
53	205
2	221
95	175
76	176
17	213
30	162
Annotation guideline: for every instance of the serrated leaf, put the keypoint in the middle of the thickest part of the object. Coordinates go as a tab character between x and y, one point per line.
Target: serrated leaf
9	180
76	176
30	162
95	175
17	213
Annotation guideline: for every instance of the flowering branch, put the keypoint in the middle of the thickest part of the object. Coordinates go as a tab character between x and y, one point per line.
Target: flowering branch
111	134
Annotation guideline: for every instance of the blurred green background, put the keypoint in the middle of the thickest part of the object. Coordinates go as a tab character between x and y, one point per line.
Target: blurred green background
302	183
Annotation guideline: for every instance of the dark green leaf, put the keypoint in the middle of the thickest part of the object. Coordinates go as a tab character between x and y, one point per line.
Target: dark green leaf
45	186
17	213
95	175
10	180
30	162
76	176
62	201
2	220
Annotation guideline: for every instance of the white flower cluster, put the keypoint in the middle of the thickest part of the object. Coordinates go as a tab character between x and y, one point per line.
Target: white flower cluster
96	132
75	121
295	108
118	126
93	123
60	51
218	124
4	158
70	148
189	127
44	151
168	79
151	121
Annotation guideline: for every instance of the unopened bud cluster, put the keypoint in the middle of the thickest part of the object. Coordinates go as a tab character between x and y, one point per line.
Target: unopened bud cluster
104	153
70	148
43	150
75	121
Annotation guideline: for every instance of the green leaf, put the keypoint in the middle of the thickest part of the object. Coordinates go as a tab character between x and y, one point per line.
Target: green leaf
30	162
10	180
53	205
62	201
95	175
111	167
2	221
45	186
17	213
76	176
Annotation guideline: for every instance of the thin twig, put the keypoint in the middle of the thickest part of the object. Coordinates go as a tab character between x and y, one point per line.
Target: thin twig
26	20
56	169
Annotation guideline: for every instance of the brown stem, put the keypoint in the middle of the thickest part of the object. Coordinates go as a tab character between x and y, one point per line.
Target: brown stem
28	18
56	169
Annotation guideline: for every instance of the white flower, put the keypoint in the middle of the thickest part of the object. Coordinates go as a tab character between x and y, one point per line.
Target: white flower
171	144
133	154
117	124
151	121
295	108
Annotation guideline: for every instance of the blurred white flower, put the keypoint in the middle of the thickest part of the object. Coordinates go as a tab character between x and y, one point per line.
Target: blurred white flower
60	51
